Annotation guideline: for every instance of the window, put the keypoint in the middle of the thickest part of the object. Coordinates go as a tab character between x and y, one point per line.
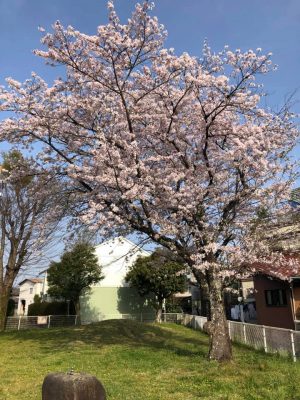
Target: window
276	298
31	290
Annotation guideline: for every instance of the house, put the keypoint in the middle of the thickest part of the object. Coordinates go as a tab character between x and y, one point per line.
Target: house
28	289
277	290
277	294
44	293
239	300
189	301
112	297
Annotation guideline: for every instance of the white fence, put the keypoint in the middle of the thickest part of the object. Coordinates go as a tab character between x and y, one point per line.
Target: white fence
173	317
267	338
142	317
49	321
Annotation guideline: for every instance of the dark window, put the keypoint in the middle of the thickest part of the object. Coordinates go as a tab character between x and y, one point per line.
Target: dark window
275	298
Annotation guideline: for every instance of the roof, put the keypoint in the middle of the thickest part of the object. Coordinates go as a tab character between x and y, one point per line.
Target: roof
295	196
115	257
33	280
120	239
285	270
43	272
282	232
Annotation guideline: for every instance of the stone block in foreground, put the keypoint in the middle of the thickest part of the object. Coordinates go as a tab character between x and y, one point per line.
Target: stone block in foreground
72	386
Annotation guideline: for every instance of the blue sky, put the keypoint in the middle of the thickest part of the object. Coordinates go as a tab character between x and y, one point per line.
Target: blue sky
273	25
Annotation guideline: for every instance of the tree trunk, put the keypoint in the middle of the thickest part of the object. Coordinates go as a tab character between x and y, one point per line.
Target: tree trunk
159	311
77	310
219	343
4	297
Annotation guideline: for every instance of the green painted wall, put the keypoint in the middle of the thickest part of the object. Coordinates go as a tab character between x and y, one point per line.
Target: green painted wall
111	302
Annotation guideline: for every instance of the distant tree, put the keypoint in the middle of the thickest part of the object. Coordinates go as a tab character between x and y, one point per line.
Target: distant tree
76	271
30	211
159	275
37	299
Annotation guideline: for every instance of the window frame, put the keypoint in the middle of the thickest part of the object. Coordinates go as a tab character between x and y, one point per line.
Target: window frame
276	298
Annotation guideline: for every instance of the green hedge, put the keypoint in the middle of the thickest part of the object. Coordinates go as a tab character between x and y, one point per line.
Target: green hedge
50	308
10	308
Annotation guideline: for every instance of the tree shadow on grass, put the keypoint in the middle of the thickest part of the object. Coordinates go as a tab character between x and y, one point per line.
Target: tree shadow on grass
115	332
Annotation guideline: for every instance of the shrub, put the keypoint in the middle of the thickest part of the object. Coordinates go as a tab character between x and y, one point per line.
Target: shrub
10	308
50	308
37	299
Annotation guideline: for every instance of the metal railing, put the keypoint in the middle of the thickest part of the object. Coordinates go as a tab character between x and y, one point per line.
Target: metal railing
32	322
142	317
267	338
173	317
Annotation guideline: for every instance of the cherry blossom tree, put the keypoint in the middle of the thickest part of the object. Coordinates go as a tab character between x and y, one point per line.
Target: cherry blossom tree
174	147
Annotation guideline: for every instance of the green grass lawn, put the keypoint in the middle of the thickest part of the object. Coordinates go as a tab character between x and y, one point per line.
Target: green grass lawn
139	361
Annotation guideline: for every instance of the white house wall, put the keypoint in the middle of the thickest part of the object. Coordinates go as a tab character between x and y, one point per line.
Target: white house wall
115	257
26	295
111	297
